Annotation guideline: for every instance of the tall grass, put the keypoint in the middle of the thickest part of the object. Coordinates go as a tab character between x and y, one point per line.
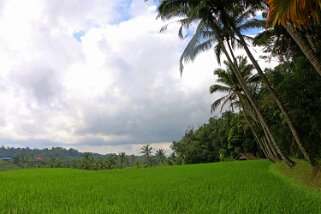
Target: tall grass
236	187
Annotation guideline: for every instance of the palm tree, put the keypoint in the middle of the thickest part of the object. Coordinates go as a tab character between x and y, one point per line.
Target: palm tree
207	11
146	150
204	37
121	158
294	15
306	46
230	84
300	13
160	155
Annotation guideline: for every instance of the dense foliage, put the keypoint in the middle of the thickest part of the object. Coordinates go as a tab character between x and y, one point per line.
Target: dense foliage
219	140
300	91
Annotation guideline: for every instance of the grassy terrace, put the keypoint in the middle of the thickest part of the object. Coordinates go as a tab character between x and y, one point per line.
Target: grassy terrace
301	173
234	187
5	166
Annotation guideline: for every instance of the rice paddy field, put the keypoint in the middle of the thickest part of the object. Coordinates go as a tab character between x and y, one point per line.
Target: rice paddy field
234	187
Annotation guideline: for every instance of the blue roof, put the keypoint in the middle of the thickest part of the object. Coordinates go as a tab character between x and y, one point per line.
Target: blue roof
6	158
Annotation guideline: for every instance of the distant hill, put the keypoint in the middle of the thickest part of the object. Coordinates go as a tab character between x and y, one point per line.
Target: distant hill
52	153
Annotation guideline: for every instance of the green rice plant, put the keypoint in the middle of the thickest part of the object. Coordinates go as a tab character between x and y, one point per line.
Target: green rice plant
233	187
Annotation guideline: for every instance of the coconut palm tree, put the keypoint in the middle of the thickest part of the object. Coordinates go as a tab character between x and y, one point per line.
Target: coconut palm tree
121	159
146	150
306	46
229	83
160	155
294	15
204	38
300	13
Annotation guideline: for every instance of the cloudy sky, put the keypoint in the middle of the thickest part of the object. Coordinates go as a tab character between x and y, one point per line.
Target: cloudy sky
96	76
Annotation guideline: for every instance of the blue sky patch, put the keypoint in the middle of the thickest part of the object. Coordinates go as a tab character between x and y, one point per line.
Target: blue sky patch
78	35
122	10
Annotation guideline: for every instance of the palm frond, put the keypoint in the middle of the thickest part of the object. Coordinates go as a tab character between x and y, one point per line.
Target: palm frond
252	23
217	103
229	98
218	52
201	41
219	88
254	78
299	13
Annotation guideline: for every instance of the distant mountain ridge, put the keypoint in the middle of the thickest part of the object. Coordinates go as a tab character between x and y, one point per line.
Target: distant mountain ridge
54	152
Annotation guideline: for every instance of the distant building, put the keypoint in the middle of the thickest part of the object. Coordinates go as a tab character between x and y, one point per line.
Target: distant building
6	159
245	156
39	159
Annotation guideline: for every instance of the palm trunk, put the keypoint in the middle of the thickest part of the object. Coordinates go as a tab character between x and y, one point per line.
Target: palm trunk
266	140
267	144
311	42
305	47
269	149
247	92
251	127
276	98
270	155
269	136
270	144
231	52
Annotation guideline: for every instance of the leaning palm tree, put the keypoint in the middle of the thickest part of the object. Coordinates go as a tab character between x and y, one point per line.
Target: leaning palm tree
300	13
210	13
204	37
294	15
306	45
228	83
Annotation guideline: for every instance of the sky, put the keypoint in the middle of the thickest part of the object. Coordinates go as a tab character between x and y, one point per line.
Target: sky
96	76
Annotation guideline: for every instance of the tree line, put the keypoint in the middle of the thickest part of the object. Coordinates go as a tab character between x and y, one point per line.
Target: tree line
58	157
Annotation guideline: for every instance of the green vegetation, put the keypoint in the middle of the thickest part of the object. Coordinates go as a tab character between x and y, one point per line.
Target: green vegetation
233	187
58	157
221	139
5	166
301	173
